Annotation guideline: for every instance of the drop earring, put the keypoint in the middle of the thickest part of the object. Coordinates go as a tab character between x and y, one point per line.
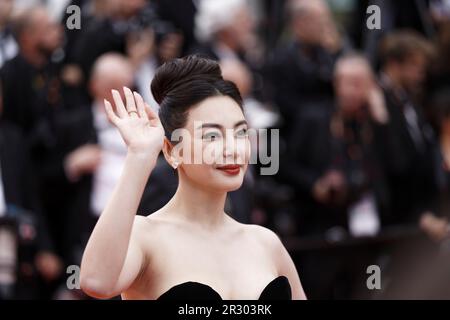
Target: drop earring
175	164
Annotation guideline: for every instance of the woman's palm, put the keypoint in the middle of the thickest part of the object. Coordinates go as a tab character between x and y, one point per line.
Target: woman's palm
138	124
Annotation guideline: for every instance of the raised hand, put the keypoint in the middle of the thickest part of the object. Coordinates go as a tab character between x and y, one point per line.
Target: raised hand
138	124
377	105
83	160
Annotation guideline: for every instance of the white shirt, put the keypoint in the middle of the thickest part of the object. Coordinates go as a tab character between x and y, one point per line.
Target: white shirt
2	197
144	76
113	155
8	48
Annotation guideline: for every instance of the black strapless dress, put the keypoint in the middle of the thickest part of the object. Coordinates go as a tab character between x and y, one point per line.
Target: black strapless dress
278	289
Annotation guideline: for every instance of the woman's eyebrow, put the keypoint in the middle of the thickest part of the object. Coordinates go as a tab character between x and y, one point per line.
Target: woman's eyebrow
240	123
209	125
218	126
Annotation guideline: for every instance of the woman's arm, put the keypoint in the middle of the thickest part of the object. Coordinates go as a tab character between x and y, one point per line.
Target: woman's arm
113	256
286	267
283	261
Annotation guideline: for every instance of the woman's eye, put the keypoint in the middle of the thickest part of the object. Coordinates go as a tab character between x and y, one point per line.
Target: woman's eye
242	133
211	136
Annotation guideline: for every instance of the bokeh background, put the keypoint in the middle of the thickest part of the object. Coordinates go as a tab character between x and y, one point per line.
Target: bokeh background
363	116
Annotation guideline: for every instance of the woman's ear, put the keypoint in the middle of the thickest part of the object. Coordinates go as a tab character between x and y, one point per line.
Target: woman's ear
167	151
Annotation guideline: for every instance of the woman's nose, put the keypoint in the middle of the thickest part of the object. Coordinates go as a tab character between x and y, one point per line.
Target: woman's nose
229	147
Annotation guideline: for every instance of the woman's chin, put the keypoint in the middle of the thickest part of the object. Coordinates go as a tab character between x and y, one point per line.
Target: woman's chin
220	181
227	184
226	188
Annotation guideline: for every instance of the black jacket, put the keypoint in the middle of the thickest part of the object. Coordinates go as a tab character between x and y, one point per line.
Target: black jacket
409	166
19	182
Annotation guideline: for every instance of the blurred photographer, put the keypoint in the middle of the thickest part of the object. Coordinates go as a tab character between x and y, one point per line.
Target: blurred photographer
332	167
27	259
105	29
148	47
406	142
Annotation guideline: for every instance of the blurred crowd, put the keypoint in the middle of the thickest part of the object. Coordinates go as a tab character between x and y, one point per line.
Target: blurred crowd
363	118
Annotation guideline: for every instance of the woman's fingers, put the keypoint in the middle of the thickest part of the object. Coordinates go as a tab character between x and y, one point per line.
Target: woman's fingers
135	106
153	117
140	104
120	108
150	112
110	112
131	104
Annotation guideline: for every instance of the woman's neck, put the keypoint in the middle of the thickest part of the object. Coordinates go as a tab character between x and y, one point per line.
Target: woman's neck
193	203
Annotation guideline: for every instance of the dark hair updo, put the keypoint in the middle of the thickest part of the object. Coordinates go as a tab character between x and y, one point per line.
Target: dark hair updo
182	83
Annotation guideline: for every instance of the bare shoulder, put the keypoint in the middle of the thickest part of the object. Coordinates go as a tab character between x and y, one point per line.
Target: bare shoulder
156	226
149	234
266	236
270	241
281	257
140	221
141	224
146	226
154	220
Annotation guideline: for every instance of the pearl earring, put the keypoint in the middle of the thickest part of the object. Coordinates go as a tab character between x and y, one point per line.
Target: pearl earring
175	164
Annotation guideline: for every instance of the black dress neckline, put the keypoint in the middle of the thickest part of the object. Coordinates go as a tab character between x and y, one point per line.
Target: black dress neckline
277	289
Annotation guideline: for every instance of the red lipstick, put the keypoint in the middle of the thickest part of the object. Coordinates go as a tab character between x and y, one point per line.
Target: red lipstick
232	169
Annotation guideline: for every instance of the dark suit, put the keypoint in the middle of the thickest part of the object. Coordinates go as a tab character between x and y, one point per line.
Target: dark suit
18	178
308	155
30	94
299	79
97	37
182	14
22	207
313	149
408	156
72	130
